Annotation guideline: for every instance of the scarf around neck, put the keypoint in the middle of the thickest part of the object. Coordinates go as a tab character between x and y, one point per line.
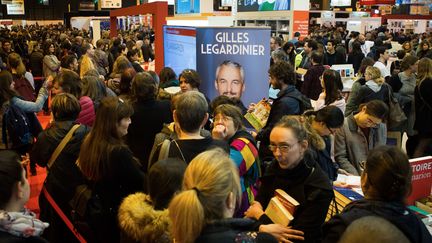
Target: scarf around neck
21	224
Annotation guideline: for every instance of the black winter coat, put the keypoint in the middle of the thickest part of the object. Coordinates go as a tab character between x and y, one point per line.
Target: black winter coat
283	105
233	230
400	216
147	120
63	177
423	108
307	184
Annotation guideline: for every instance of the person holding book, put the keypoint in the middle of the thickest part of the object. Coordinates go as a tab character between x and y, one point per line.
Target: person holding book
386	183
282	77
296	173
203	211
243	151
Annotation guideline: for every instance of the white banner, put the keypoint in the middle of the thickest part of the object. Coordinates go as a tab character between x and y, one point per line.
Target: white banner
111	3
16	8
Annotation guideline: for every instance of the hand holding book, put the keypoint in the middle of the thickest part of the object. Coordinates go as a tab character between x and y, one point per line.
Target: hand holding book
282	233
255	211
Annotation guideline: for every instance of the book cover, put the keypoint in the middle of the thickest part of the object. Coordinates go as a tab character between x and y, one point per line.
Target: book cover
258	118
346	194
421	178
277	212
287	201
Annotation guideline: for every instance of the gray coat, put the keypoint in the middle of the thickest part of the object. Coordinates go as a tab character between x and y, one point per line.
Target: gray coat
351	146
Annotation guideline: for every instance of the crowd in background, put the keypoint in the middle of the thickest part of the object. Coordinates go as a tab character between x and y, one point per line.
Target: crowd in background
154	160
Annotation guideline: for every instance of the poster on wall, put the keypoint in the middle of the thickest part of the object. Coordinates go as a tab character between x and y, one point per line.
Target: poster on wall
234	62
187	6
15	8
301	23
179	48
262	5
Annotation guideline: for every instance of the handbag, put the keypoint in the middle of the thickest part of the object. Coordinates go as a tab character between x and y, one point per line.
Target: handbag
396	115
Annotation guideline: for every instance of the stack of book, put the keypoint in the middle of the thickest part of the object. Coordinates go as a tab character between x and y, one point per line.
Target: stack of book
343	196
281	208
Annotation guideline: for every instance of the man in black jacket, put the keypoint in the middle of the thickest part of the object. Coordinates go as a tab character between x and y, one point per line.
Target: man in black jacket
282	77
147	50
190	116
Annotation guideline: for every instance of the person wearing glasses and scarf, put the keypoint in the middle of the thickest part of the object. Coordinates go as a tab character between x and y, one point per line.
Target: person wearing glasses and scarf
361	132
294	171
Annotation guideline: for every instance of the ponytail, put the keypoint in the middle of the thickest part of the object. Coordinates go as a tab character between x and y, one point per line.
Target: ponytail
209	180
187	216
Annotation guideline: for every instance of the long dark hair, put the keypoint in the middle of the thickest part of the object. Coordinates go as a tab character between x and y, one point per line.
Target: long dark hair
94	158
10	174
332	85
6	93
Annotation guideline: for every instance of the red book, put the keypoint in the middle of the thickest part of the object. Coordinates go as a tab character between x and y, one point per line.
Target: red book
421	178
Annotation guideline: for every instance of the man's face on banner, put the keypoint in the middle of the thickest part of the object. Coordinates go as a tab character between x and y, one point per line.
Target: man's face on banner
229	82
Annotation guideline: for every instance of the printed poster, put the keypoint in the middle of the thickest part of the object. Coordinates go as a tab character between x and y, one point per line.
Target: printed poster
234	62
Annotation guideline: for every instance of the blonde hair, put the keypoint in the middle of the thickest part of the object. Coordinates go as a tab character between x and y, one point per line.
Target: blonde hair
208	181
15	62
375	75
86	65
424	70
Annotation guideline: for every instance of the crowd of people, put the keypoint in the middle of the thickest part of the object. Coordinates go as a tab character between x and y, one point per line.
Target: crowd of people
137	156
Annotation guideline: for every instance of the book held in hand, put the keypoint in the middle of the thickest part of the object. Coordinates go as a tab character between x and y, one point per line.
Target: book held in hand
281	208
258	117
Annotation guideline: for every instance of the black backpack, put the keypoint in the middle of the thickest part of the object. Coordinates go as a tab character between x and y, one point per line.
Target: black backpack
19	128
304	103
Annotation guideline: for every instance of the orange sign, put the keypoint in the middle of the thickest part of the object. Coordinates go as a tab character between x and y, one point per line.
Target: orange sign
301	23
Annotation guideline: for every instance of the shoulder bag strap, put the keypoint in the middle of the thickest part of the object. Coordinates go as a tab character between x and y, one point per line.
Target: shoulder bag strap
62	144
181	153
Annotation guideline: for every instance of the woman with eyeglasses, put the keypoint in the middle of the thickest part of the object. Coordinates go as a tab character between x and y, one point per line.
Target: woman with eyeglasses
228	126
108	164
294	171
386	183
361	132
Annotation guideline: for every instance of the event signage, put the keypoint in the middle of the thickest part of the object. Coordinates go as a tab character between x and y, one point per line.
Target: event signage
264	5
376	2
340	3
421	178
301	23
234	62
15	8
187	6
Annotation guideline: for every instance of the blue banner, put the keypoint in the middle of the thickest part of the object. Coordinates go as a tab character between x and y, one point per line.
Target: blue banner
234	62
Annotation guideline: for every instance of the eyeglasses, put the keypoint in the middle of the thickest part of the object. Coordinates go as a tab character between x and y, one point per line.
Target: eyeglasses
372	123
283	148
332	131
222	118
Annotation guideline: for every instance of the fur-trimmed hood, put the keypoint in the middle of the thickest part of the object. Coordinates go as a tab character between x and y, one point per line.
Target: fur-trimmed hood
140	222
